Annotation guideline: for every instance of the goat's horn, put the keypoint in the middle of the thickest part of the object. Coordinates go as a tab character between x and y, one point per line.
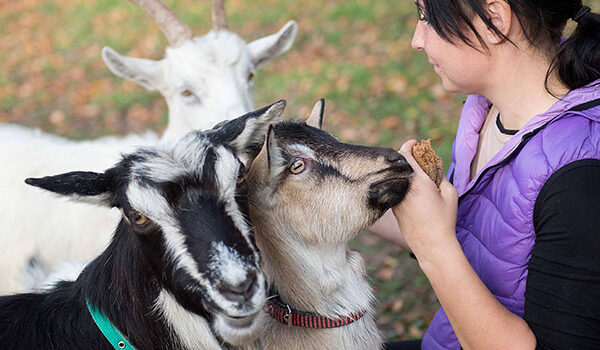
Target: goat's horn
218	15
169	23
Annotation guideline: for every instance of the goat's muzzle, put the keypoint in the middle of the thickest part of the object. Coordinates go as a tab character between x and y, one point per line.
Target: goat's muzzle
242	292
392	186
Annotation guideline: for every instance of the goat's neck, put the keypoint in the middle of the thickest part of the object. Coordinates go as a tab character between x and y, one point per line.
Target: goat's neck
179	124
314	277
122	284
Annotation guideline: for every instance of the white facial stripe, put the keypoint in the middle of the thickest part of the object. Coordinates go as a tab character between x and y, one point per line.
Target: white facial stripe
158	169
228	263
226	171
192	330
302	150
190	151
150	202
226	168
188	157
184	261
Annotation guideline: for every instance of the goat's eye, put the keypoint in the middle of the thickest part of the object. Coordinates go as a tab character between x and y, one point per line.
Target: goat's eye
250	76
187	93
240	180
297	167
139	218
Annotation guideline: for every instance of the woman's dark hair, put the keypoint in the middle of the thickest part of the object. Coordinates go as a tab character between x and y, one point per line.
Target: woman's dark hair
577	59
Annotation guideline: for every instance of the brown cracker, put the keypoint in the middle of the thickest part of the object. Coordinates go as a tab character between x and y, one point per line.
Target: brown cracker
429	161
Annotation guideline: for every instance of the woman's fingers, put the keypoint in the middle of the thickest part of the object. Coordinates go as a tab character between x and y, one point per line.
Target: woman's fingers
446	187
406	152
407	146
448	190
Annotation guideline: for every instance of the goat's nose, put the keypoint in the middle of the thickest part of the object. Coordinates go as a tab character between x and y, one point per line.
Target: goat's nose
393	156
240	292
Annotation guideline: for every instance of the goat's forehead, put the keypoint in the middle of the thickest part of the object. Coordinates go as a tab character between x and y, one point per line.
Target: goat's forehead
301	138
222	48
187	158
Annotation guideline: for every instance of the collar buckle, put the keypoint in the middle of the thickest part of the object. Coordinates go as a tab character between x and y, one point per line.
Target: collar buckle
287	316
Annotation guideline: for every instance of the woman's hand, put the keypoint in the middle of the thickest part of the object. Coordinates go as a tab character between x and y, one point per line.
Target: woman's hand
427	215
427	220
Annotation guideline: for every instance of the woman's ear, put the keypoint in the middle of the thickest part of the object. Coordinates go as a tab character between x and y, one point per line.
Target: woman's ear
500	14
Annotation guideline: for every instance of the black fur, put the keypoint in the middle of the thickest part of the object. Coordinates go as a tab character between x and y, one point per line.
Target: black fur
119	282
88	183
323	143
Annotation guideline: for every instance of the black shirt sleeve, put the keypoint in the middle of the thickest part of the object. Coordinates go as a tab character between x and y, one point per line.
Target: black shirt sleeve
562	296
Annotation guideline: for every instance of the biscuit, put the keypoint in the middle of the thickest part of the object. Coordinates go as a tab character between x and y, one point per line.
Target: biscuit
429	161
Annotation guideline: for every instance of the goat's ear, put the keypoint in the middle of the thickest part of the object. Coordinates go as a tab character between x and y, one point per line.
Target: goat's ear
83	186
316	116
275	159
144	72
268	169
246	134
271	46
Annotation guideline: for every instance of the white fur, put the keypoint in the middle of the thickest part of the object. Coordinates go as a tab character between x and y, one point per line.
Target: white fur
192	330
215	67
229	263
302	150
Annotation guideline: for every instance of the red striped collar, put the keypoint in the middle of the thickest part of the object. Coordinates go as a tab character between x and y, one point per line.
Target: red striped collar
282	313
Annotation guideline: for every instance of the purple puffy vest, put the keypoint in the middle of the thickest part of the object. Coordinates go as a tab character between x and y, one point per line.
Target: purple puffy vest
495	209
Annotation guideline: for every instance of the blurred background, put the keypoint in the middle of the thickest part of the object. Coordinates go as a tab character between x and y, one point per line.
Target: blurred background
355	54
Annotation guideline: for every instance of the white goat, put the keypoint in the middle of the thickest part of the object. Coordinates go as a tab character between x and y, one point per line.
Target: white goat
309	194
204	80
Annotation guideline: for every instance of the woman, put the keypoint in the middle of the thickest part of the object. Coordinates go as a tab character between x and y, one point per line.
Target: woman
511	241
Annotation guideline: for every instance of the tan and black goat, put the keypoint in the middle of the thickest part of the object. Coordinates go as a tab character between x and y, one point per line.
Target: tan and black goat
310	194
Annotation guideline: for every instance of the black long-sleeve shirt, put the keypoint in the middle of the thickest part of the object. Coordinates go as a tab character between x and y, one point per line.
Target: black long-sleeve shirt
562	296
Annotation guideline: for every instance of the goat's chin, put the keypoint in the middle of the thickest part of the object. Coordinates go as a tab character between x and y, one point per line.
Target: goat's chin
239	330
387	193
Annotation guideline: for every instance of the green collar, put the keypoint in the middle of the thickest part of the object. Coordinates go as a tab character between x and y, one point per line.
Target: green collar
114	337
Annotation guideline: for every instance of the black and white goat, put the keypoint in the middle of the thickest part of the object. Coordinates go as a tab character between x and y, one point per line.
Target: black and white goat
309	194
182	270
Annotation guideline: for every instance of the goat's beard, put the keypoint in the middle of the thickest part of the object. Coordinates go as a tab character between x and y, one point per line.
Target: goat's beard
240	331
388	193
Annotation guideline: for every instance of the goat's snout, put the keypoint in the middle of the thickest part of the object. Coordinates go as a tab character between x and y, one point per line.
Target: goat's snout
396	160
240	292
394	157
